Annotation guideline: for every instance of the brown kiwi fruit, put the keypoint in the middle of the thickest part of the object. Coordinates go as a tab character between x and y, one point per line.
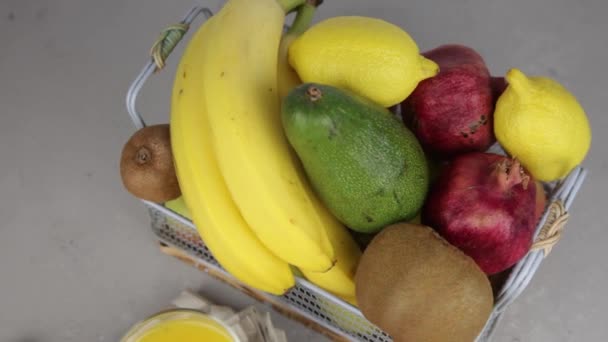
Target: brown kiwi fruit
146	165
416	286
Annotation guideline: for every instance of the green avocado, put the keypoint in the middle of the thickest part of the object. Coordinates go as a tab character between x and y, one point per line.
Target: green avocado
365	165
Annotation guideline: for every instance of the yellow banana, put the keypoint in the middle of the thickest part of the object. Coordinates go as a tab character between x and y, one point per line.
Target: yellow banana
340	280
262	174
214	213
287	76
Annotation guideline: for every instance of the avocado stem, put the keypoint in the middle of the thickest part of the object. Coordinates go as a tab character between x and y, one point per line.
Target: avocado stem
313	93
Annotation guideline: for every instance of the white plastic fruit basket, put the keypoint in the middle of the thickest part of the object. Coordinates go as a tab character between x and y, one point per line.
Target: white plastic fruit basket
337	318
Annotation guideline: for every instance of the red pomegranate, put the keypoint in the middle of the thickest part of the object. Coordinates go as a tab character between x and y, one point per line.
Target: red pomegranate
484	204
451	113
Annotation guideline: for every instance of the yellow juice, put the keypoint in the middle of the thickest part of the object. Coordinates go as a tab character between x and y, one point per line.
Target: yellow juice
180	326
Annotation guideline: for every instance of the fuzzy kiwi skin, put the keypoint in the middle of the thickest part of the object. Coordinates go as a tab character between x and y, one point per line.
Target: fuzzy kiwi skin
415	286
146	165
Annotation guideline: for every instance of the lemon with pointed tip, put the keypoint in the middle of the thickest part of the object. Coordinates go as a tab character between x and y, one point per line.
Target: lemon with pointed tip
542	124
368	56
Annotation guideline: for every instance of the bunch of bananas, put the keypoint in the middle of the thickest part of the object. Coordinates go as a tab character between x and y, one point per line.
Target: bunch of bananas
244	186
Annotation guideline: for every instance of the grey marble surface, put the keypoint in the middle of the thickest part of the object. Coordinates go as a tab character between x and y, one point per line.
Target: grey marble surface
77	259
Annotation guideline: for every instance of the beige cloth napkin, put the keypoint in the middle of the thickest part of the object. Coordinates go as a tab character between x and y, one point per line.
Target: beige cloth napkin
249	325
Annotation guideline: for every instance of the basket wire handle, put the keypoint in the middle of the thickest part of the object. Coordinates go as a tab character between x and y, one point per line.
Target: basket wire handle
162	48
551	232
166	42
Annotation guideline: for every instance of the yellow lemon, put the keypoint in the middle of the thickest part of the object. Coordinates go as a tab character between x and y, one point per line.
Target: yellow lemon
541	123
368	56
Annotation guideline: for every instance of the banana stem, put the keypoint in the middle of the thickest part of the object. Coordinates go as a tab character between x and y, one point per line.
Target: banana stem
290	5
303	18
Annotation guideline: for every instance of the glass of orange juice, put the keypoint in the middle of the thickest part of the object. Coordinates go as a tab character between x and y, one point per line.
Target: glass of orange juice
180	325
